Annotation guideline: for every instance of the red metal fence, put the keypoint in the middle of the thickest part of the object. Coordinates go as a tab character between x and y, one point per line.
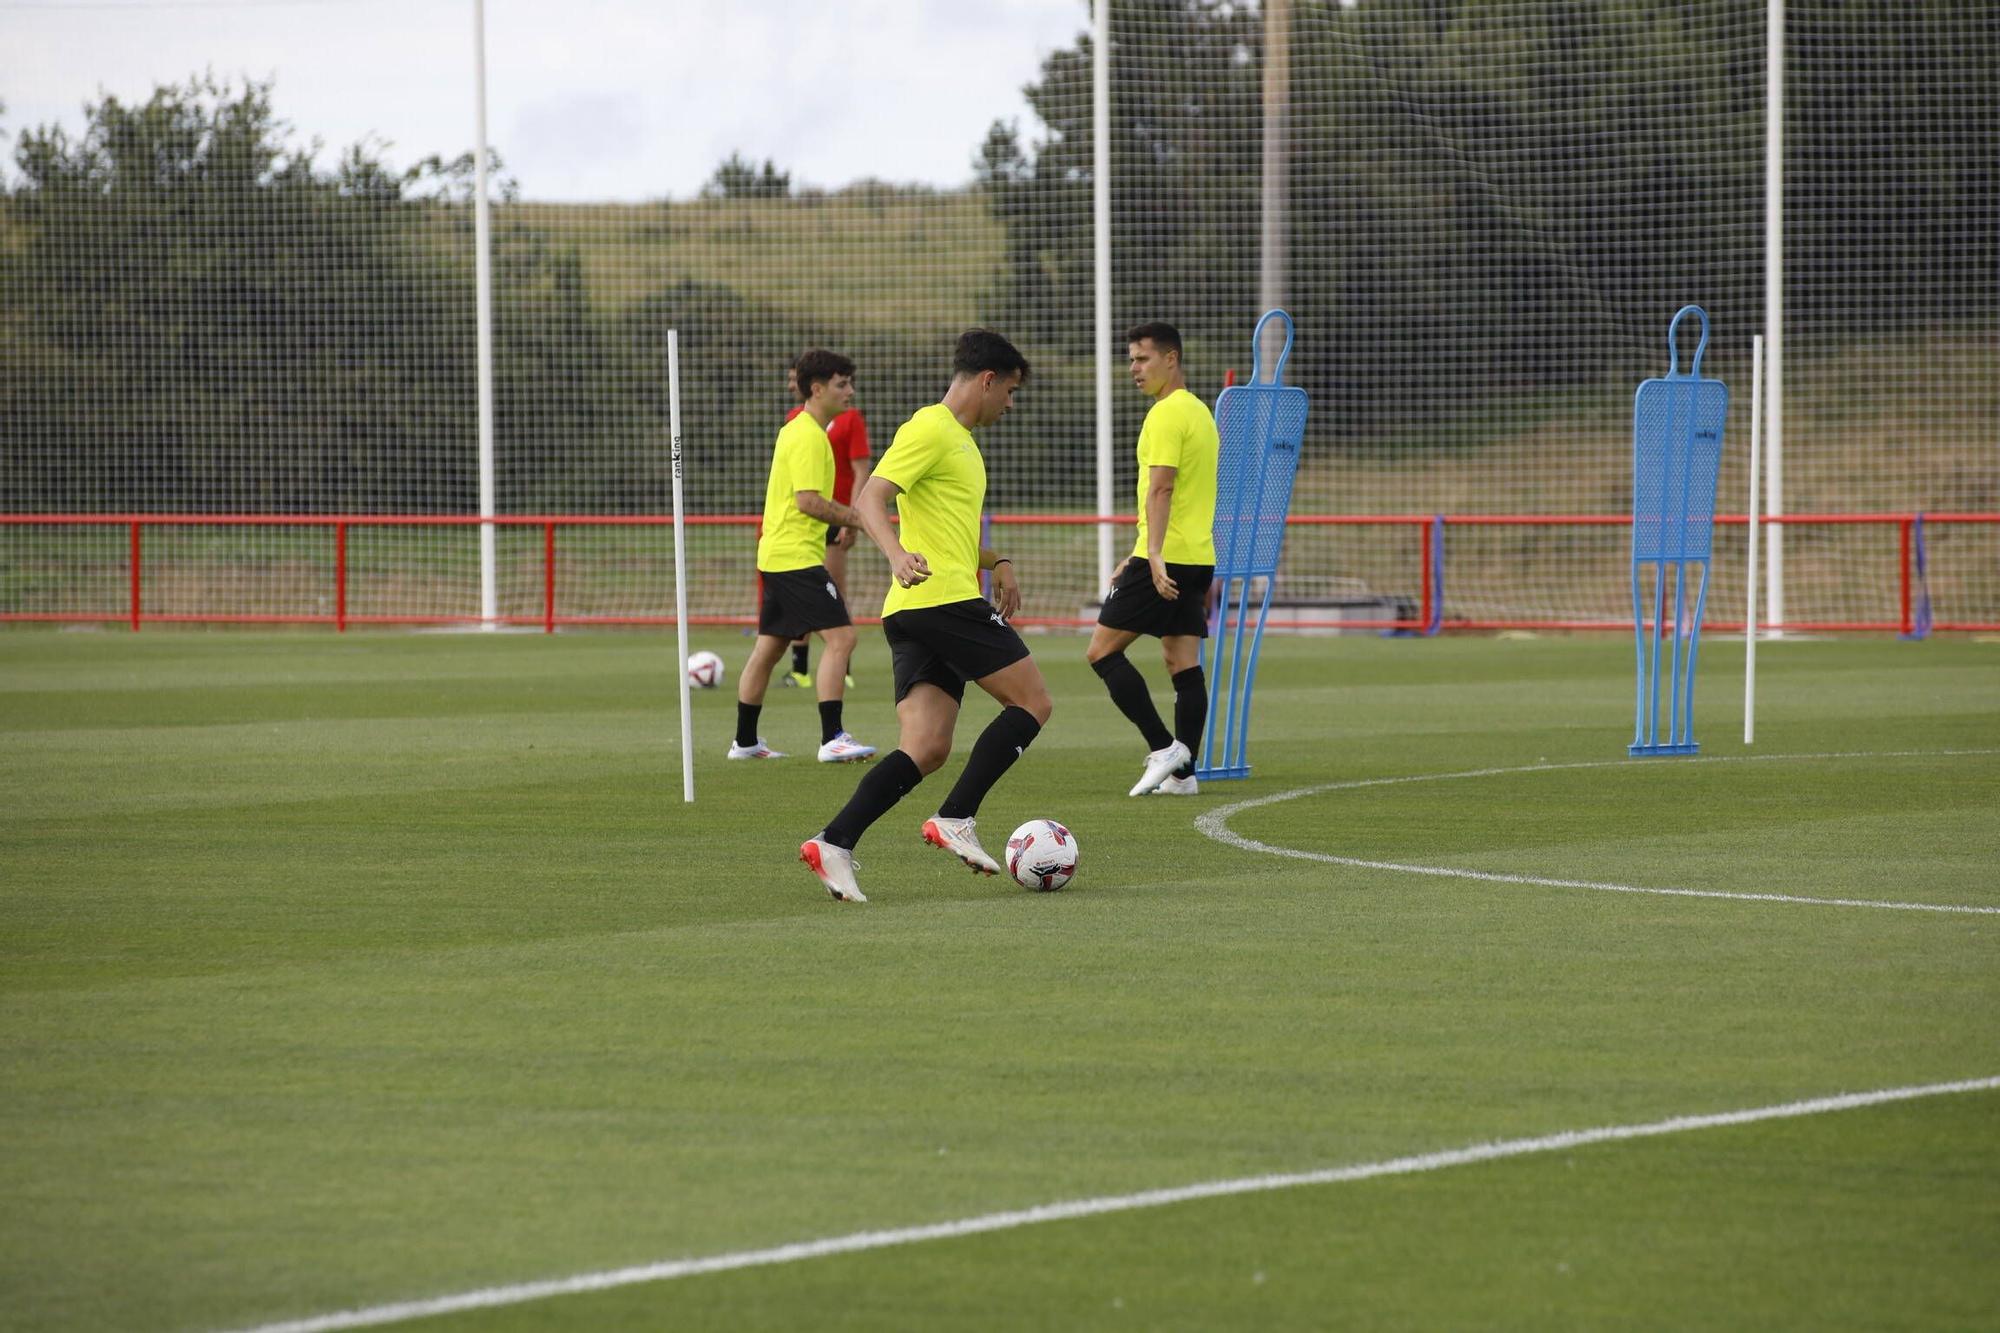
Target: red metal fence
1429	537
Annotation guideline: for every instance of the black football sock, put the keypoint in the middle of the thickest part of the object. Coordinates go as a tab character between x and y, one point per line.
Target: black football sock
829	720
1190	713
746	722
887	783
1128	691
799	658
1005	739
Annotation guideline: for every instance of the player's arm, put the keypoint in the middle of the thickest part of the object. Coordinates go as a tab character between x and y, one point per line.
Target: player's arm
1159	504
860	467
1006	588
909	568
832	512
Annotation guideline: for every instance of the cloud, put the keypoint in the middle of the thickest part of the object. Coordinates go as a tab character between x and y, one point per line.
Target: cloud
592	99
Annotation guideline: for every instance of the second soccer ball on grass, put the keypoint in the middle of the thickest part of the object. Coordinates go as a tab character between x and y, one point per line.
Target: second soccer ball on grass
704	671
1041	855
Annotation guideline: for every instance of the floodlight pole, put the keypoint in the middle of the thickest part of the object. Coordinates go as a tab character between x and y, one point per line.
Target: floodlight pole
489	598
1276	166
1774	310
1100	190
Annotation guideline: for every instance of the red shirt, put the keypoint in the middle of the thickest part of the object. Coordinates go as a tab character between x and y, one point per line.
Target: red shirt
848	434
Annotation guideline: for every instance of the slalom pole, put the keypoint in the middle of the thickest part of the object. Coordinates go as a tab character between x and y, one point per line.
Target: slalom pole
680	563
1756	462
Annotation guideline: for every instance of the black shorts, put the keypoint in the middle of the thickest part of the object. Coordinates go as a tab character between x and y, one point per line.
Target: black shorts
1135	604
799	601
948	645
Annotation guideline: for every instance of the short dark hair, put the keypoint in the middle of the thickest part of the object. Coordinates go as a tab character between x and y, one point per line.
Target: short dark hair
819	366
1163	335
981	350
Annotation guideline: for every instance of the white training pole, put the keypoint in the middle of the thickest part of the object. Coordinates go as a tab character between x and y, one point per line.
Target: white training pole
680	562
1774	304
489	587
1750	579
1100	191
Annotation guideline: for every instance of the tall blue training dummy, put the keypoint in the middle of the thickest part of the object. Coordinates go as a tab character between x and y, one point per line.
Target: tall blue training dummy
1676	453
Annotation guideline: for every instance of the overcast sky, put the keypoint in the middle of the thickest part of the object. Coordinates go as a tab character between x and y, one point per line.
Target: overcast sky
586	99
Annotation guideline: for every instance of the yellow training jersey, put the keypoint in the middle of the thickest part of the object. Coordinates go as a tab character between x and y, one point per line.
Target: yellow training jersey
801	461
1180	433
943	477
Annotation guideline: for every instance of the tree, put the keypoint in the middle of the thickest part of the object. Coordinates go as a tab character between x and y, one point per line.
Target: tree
739	178
200	317
1511	195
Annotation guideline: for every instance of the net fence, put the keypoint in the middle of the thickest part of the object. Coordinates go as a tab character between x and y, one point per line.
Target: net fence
1493	210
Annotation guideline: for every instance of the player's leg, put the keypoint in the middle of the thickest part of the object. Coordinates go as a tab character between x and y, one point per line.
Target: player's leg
836	569
1181	631
1106	655
1132	607
750	688
1183	657
835	744
927	696
800	674
1025	706
925	718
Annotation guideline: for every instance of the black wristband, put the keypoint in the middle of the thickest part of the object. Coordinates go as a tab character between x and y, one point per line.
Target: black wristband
1001	560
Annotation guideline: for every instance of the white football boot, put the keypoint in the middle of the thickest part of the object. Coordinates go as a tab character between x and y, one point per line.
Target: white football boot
757	751
958	837
1174	786
844	749
835	868
1160	766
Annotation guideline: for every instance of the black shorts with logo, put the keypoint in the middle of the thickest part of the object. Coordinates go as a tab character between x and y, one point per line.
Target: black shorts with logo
948	645
799	601
1135	604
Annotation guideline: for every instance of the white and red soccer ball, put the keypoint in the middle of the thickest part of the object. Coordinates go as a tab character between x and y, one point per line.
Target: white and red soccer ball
1041	855
704	671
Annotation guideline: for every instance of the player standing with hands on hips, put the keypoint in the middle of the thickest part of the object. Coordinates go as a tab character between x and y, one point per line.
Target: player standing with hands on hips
800	597
1163	589
941	632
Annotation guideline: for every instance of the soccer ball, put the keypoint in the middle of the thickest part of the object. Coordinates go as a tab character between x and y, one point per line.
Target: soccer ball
704	671
1042	855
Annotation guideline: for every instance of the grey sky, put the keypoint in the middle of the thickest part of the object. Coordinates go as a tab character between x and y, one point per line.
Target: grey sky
586	99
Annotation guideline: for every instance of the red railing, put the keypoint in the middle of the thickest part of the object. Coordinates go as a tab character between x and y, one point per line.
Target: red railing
1429	527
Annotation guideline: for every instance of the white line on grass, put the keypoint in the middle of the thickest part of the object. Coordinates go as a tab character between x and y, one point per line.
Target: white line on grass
667	1270
1215	824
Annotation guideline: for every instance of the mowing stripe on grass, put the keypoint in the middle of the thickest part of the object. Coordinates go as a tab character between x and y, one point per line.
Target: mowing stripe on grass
1215	824
667	1270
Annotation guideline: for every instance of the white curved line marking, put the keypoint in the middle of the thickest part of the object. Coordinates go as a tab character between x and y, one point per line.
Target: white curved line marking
668	1270
1215	824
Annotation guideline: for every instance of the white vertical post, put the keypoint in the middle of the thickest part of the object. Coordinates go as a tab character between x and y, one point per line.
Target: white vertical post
1275	231
1750	542
1100	185
1774	305
680	562
489	596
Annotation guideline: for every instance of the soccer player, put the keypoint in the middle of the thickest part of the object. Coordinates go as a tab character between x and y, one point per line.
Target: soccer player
1163	589
800	597
941	632
848	434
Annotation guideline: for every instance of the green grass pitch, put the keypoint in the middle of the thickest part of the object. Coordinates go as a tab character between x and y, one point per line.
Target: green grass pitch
340	971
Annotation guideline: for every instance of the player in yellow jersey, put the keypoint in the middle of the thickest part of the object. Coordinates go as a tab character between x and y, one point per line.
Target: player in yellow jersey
1163	589
941	632
800	597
